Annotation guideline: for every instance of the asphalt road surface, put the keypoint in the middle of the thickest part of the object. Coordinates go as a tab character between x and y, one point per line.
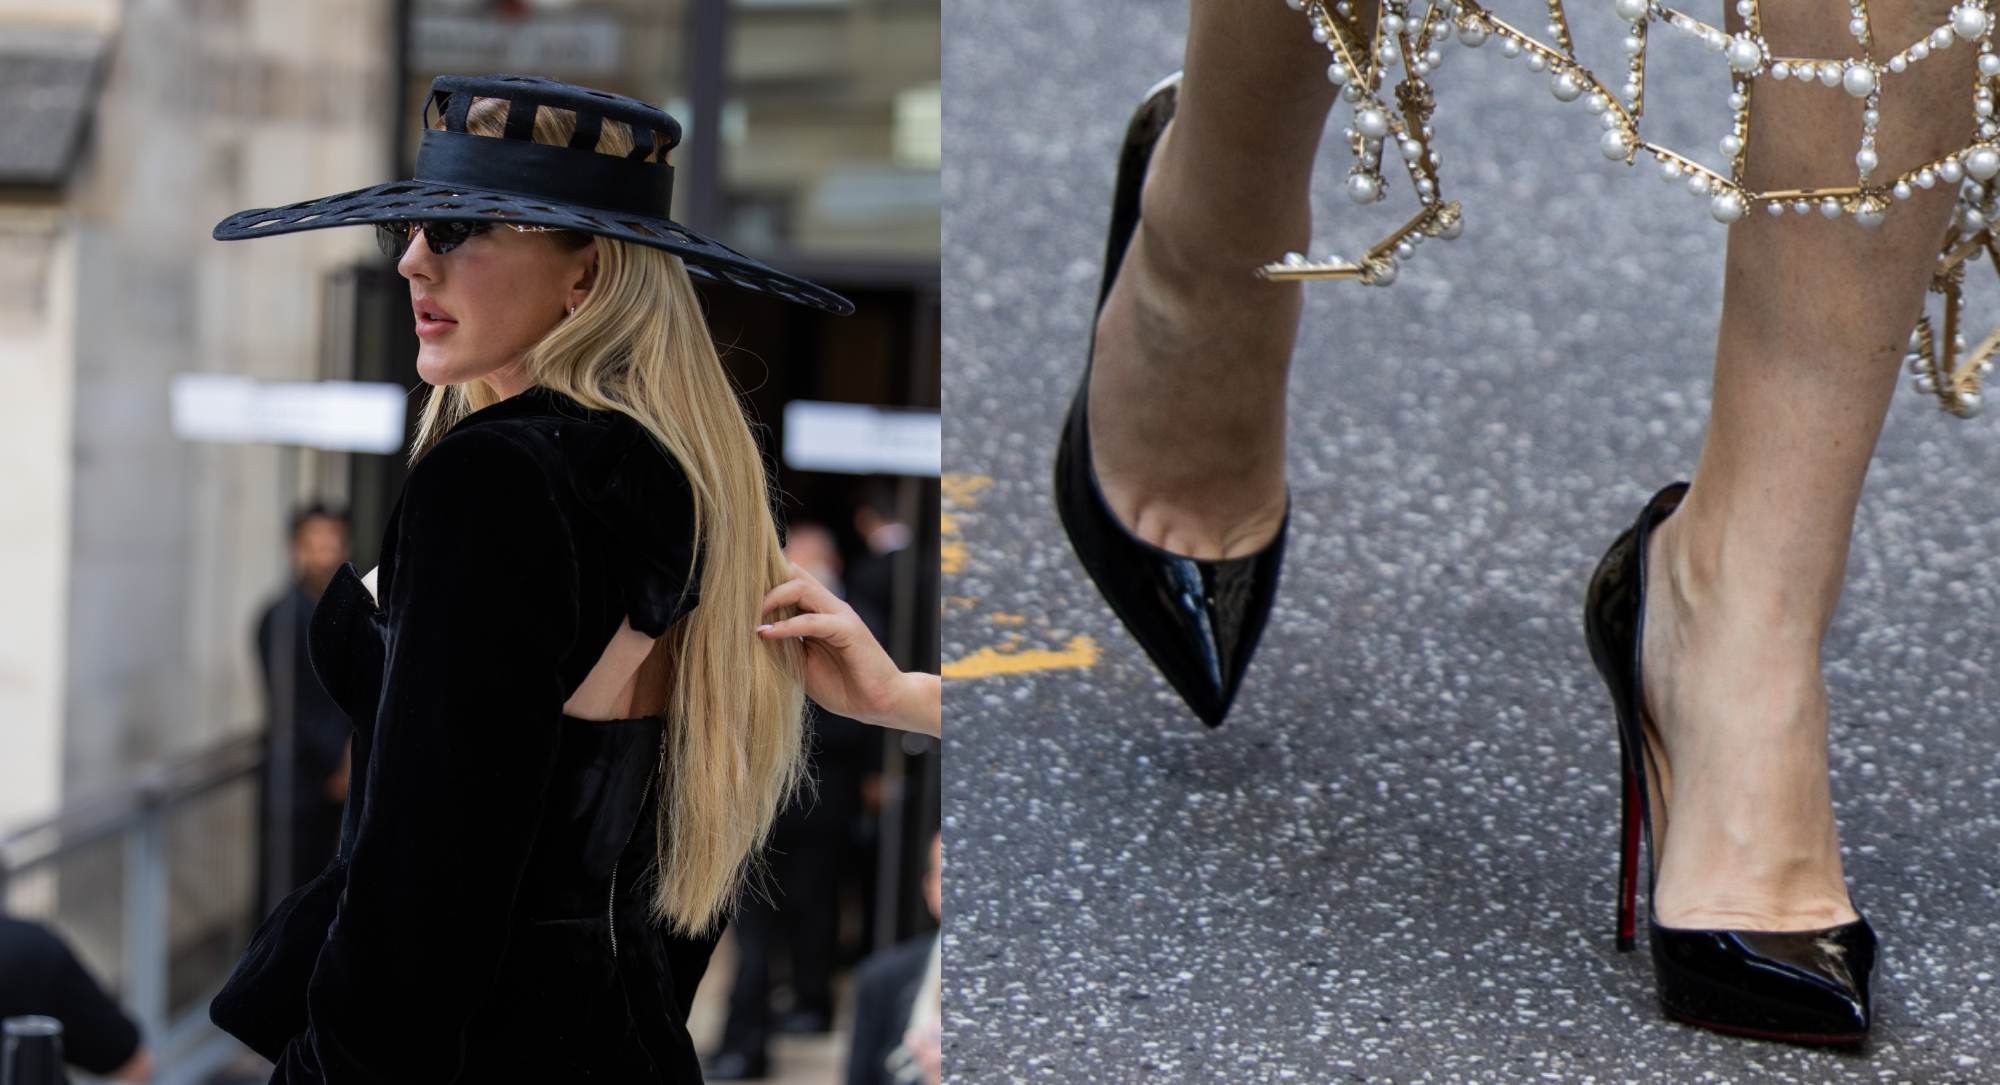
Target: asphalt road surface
1395	861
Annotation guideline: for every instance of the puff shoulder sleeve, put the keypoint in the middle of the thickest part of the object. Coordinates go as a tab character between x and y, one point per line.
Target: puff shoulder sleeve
645	503
481	607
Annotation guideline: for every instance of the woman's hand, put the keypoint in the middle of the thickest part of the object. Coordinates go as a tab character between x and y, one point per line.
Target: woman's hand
846	670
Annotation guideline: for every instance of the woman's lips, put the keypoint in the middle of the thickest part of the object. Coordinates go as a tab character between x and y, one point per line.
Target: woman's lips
427	327
432	318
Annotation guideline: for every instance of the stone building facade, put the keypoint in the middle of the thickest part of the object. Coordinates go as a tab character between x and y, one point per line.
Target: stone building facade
139	559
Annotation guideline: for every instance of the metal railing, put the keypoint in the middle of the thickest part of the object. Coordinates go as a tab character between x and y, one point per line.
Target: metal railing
154	884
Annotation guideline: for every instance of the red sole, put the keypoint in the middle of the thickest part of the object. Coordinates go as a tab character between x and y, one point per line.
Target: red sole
1628	859
1820	1039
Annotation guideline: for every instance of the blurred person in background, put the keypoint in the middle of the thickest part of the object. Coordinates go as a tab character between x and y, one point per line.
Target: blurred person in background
896	1037
869	587
321	751
871	576
810	849
39	974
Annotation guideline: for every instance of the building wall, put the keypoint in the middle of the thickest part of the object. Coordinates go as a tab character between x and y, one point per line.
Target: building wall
69	14
209	106
37	322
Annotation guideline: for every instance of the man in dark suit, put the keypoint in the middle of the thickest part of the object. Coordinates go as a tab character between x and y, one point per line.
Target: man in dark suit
886	989
320	730
871	575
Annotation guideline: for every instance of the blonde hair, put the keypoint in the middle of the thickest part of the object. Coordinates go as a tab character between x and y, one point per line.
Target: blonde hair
735	703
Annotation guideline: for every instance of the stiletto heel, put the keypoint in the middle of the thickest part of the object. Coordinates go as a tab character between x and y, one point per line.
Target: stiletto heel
1808	987
1628	858
1199	620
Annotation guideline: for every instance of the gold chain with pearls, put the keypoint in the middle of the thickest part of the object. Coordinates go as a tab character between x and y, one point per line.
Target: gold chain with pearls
1359	68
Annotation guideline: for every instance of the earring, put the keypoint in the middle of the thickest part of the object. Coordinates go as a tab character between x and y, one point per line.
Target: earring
572	310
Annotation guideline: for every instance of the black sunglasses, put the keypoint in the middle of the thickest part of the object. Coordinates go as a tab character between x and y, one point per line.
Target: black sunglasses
393	238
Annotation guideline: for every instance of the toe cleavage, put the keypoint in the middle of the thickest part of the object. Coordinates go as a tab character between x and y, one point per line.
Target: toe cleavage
1198	620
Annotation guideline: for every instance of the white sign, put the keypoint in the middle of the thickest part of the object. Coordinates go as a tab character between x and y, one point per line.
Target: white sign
351	416
856	439
572	44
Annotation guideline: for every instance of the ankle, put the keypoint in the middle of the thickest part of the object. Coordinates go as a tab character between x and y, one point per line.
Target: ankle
1714	585
1201	232
1188	317
1191	253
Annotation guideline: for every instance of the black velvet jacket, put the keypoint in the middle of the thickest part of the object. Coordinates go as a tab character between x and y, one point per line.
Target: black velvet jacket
483	919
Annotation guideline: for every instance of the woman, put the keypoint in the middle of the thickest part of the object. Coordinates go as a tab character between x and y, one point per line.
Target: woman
570	741
1170	473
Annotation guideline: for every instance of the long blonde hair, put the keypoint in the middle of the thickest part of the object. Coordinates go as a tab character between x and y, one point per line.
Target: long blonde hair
735	705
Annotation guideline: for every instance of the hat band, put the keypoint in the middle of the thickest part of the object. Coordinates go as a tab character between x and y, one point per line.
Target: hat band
560	175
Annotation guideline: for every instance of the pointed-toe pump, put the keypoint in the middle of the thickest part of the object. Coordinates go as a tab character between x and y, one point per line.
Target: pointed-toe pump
1809	987
1199	620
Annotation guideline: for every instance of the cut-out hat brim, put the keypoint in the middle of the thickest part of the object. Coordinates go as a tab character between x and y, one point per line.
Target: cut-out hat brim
415	199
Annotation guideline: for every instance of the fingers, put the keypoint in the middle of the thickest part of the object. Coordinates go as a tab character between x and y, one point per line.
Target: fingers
784	595
805	625
803	592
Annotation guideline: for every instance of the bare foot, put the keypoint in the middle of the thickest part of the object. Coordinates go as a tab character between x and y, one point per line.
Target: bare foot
1735	690
1187	388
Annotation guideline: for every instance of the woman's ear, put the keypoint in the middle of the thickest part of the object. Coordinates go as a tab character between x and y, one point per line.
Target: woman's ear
586	273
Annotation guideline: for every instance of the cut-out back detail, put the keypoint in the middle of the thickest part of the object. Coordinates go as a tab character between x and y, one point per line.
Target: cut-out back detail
625	679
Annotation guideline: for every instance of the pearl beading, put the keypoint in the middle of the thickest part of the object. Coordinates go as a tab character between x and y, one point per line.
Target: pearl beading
1359	67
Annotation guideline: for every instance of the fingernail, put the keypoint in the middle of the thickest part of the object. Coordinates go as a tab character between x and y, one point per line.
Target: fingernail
763	629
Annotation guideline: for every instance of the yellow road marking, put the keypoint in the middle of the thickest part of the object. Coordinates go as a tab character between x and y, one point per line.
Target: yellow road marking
961	494
958	487
951	557
1079	653
958	490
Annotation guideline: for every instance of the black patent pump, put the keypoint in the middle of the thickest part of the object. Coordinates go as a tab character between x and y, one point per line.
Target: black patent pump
1199	620
1808	987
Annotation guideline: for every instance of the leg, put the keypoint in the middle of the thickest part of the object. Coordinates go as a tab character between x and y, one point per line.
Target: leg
747	1029
760	930
812	890
1815	317
1187	395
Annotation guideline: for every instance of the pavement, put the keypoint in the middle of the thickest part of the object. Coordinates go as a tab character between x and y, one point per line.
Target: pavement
1395	861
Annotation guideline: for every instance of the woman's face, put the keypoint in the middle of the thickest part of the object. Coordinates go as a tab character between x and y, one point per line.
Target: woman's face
497	293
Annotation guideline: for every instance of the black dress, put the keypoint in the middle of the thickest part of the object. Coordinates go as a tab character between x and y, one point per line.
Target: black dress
484	918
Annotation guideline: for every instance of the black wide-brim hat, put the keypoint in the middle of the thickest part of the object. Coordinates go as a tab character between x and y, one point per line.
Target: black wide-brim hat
461	176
